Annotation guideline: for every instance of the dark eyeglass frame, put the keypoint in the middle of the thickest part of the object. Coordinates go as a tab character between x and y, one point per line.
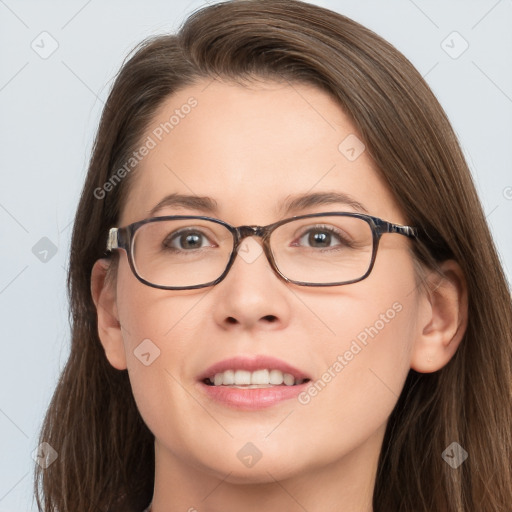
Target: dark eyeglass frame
122	238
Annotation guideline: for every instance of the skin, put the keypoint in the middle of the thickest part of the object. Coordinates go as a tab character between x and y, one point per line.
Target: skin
249	148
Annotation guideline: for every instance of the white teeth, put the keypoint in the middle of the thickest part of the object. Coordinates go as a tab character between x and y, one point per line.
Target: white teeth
276	377
289	380
260	377
229	377
241	377
257	378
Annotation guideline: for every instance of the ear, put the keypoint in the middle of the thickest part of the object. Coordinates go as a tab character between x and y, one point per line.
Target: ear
109	329
443	315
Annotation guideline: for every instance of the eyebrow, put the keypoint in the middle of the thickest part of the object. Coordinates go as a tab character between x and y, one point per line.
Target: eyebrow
303	201
291	204
201	203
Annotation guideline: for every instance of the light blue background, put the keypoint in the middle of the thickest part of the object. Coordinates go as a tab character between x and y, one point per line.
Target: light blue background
49	114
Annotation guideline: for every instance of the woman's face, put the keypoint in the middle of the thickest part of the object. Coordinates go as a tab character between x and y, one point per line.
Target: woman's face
250	149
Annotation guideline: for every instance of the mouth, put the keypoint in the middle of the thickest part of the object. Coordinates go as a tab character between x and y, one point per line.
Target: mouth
252	372
252	382
258	379
252	389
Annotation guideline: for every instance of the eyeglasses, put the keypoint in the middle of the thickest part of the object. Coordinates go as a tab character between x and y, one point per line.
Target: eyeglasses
183	252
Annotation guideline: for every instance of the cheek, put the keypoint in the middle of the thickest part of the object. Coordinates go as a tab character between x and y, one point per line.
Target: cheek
152	326
150	313
365	373
367	354
157	326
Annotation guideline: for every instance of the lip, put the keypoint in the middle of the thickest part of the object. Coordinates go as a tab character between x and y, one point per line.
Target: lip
256	398
252	363
251	399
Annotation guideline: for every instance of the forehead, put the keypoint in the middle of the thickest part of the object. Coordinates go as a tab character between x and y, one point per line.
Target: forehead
251	148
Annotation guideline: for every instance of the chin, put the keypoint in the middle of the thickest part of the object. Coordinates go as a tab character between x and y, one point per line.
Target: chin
266	470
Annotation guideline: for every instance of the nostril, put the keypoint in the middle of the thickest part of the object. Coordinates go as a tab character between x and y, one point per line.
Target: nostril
270	318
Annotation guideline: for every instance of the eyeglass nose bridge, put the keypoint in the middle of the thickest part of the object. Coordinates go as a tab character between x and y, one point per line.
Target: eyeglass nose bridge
243	232
263	232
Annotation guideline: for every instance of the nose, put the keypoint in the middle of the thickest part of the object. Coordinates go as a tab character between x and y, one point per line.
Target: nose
252	293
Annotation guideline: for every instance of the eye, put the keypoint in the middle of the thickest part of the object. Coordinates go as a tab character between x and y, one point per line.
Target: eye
322	237
186	239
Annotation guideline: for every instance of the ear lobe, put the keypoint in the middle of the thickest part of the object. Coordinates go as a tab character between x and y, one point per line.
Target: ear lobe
443	319
109	329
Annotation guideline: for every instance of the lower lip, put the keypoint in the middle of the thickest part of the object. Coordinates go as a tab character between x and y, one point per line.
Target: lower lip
252	399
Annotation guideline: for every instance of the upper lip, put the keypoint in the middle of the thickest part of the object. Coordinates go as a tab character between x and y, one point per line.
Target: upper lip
252	363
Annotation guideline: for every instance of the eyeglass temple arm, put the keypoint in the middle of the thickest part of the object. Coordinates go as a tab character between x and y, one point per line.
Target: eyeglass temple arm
388	227
112	241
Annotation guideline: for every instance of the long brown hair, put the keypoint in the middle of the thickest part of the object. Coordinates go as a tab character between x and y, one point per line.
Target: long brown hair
106	452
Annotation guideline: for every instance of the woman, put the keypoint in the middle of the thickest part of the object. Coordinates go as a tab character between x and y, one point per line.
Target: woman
353	353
